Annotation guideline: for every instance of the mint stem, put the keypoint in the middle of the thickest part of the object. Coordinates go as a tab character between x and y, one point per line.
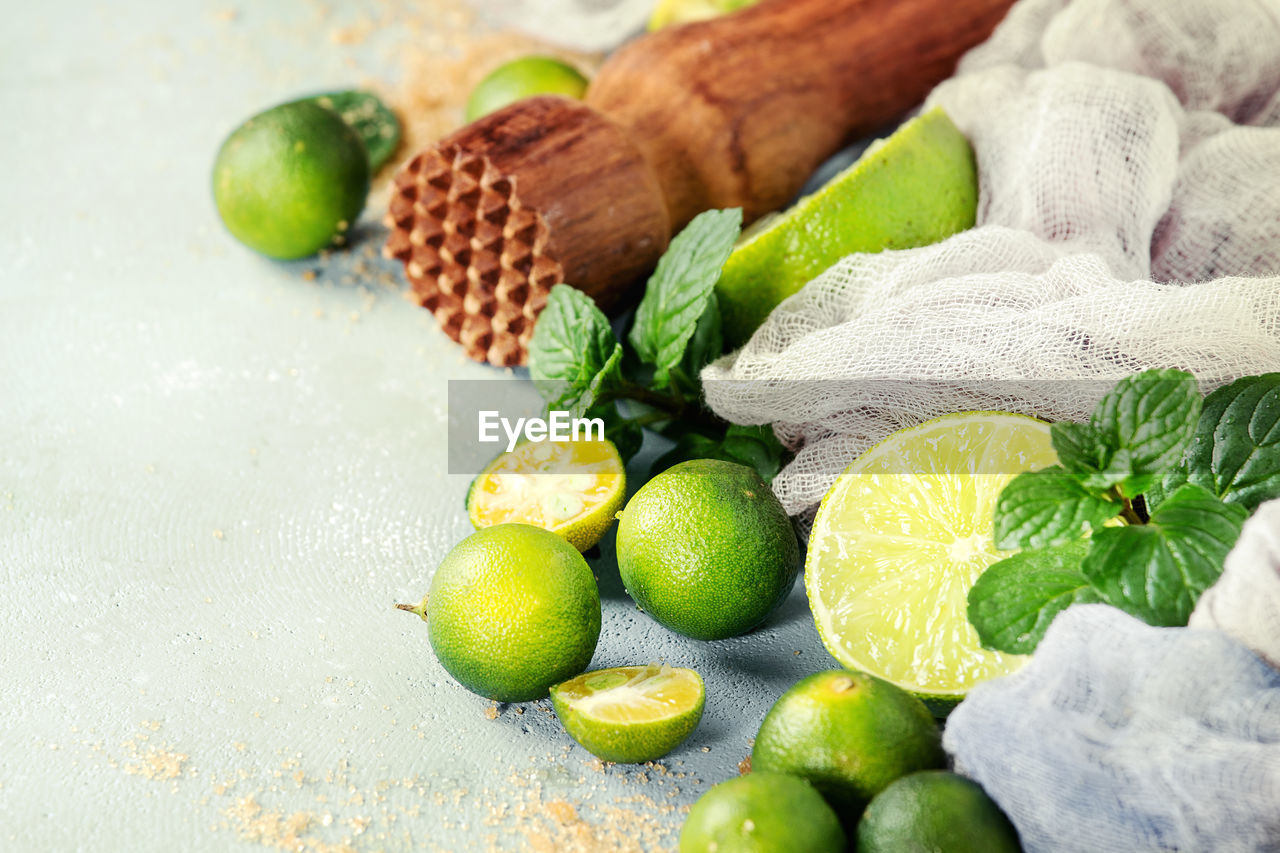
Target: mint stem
673	407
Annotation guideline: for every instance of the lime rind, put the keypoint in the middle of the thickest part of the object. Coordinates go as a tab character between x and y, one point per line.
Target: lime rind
902	536
912	189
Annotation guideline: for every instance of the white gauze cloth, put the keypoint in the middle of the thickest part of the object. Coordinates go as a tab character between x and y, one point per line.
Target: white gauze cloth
1129	217
1122	738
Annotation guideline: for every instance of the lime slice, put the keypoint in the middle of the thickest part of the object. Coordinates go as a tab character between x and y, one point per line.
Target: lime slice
573	488
917	187
902	536
630	714
668	13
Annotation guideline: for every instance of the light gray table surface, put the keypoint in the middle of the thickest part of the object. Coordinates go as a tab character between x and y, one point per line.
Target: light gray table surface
217	476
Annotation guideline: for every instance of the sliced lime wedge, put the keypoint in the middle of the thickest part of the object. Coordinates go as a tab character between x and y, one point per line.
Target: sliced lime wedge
917	187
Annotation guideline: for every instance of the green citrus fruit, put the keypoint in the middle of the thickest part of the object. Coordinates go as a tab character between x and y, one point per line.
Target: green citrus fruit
630	714
900	539
572	488
671	12
524	78
938	812
762	813
512	610
371	119
850	734
291	180
917	187
706	549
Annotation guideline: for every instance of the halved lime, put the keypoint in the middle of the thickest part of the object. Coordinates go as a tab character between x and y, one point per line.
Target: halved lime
573	488
915	188
902	536
630	714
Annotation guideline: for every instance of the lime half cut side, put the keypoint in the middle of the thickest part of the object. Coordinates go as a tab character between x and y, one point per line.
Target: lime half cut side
900	539
572	488
630	714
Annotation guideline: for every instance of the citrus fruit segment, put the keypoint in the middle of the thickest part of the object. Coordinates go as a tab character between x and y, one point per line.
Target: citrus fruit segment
669	13
630	714
572	488
524	78
291	180
936	810
917	187
511	611
901	537
850	734
762	812
706	549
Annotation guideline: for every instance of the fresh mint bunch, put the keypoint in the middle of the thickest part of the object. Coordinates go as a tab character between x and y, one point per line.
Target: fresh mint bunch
579	365
1150	497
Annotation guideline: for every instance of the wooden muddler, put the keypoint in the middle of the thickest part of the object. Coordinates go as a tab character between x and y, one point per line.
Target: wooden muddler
737	111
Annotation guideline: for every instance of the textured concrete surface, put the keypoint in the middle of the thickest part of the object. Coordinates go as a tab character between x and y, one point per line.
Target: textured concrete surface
216	477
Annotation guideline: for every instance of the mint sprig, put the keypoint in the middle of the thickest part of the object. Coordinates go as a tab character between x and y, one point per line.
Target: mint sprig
1156	571
676	297
1181	473
578	363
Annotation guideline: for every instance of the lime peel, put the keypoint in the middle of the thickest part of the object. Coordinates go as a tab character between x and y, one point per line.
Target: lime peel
912	189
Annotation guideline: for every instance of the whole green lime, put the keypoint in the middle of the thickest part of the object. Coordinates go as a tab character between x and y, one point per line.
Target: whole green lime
850	734
762	813
512	610
935	811
291	180
524	78
706	549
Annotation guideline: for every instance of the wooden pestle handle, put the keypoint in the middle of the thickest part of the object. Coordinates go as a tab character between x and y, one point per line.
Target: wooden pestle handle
736	111
739	111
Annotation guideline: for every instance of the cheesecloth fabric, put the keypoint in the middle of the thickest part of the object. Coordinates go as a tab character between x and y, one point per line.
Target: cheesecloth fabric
1122	737
1129	217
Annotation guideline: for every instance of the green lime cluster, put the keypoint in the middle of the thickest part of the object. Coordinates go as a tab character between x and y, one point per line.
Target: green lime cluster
513	611
844	755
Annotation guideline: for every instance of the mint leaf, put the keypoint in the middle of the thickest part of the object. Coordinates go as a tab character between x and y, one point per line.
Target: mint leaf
1145	423
707	342
585	397
1048	507
626	434
1157	571
1015	600
677	293
1081	449
571	345
753	446
1235	453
